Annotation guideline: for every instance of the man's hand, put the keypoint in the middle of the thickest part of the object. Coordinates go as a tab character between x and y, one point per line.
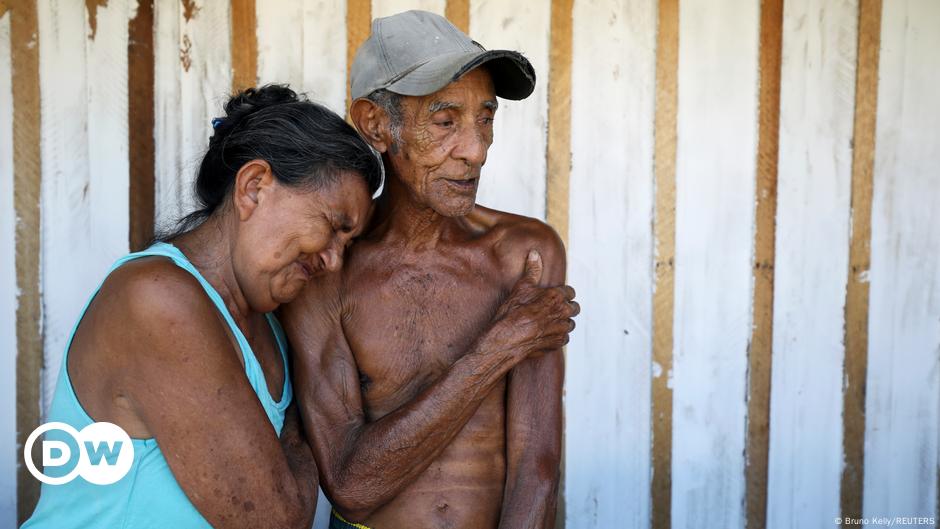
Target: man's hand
533	319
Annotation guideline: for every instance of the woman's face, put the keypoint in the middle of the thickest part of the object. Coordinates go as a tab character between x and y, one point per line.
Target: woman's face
292	235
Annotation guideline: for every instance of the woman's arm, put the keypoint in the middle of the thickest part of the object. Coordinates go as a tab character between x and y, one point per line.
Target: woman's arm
185	381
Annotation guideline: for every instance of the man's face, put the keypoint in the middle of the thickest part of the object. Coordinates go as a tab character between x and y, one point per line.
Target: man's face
444	139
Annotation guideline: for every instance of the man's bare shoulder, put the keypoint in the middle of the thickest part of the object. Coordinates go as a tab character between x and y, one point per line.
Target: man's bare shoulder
514	235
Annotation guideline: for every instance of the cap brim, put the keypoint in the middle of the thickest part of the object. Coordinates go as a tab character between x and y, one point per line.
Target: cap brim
512	74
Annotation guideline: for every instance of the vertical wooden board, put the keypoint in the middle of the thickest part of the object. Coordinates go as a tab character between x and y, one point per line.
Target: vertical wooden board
83	89
514	176
817	95
167	113
715	172
205	82
303	43
324	57
607	394
904	316
9	454
384	8
281	43
192	48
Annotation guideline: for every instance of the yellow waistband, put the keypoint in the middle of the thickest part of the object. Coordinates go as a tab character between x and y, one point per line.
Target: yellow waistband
344	520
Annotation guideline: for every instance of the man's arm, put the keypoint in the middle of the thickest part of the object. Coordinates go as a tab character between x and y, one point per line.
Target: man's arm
534	421
363	465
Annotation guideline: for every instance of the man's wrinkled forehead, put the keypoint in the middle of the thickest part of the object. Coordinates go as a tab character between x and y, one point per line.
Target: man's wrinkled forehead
473	91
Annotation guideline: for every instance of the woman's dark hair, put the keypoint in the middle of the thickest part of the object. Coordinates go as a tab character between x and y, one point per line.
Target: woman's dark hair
305	143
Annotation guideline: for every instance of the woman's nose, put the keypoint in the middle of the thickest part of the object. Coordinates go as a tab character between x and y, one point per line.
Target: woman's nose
332	258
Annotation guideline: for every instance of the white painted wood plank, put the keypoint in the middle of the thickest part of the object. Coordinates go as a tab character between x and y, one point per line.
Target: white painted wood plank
303	43
84	205
901	437
205	83
607	394
324	59
280	42
188	95
9	454
167	114
384	8
812	252
514	176
715	172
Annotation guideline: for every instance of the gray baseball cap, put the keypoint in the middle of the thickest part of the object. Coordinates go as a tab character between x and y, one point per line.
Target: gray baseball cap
417	53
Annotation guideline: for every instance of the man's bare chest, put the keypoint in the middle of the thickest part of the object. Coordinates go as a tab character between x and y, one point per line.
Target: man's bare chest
408	325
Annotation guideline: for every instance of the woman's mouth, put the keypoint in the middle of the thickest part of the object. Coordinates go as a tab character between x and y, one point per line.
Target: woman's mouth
305	270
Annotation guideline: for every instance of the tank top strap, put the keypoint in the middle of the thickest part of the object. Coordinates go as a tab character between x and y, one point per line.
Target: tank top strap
254	373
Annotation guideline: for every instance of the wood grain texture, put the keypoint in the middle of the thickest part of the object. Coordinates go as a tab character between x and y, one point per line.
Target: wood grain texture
558	151
765	215
84	163
384	8
140	119
607	391
812	247
9	452
664	229
513	178
458	12
715	187
857	291
902	419
303	43
168	165
27	180
245	43
193	79
358	25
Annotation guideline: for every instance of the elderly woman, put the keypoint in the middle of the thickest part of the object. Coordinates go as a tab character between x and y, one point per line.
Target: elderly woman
179	348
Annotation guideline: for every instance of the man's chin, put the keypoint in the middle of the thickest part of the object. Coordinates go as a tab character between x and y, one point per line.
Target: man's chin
456	208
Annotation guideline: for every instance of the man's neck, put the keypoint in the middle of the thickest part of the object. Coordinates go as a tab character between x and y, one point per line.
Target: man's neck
400	217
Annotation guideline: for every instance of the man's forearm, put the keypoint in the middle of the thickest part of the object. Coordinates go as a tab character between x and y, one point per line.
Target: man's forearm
388	454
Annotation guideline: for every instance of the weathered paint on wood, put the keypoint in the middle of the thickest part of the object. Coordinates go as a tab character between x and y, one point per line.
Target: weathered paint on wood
664	251
384	8
9	454
514	176
817	97
715	175
303	43
902	417
607	395
857	289
760	351
194	77
83	88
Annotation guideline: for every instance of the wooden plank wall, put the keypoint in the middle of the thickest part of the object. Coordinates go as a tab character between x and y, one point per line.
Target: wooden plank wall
8	295
901	435
608	410
748	189
815	169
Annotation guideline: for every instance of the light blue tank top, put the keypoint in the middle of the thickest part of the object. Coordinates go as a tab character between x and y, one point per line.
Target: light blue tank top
148	496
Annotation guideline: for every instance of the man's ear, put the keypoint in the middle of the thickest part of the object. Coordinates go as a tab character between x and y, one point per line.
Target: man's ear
372	122
252	180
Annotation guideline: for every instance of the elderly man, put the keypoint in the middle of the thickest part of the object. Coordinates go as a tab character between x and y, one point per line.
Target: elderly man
429	369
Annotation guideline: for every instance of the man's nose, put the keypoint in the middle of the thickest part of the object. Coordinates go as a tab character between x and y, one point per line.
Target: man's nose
472	148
